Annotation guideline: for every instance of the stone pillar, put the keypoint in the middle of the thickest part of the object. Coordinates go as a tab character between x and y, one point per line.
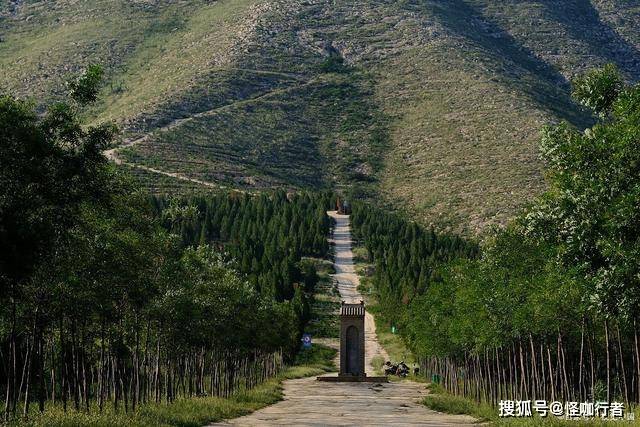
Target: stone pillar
352	340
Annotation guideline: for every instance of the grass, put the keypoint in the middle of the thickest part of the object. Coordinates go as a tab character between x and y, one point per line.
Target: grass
253	143
159	58
360	256
441	401
377	362
194	412
392	343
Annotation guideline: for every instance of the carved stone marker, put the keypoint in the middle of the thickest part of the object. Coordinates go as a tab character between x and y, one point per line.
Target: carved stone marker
352	337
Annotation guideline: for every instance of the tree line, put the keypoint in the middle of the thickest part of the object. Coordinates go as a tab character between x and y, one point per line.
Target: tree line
268	237
268	234
406	256
108	297
550	308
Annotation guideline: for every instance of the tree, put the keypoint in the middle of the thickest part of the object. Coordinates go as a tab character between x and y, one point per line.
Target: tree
591	211
101	303
50	167
84	89
551	308
598	89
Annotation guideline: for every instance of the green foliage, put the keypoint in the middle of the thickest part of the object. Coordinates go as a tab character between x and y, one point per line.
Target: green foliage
51	166
203	299
563	276
95	291
265	237
317	356
598	89
267	234
514	290
406	256
85	88
324	321
324	304
333	64
591	214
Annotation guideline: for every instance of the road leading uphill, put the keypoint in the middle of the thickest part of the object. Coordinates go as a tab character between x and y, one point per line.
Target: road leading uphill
348	282
308	402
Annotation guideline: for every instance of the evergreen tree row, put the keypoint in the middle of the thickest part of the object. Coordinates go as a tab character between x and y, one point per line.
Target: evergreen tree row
407	257
267	234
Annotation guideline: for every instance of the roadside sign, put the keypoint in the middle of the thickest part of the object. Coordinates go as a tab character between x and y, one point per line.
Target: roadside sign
306	340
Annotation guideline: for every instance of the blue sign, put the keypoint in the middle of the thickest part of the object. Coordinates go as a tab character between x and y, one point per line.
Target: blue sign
306	341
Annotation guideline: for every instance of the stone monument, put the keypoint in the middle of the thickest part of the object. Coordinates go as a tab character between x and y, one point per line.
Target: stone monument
352	347
352	339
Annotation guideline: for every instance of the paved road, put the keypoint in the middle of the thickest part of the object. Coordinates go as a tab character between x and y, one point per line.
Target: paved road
308	402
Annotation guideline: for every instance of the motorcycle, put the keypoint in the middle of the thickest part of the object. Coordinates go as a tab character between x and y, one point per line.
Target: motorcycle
390	369
401	369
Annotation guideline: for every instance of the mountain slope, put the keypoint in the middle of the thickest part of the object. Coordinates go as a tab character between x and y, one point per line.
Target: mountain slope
434	107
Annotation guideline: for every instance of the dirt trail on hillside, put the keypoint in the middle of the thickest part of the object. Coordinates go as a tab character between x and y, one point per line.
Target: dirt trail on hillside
113	153
308	402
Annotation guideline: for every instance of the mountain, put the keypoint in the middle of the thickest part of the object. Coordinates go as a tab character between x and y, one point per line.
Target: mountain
433	107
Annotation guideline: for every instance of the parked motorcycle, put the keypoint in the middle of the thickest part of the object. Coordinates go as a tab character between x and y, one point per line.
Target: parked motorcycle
389	368
400	369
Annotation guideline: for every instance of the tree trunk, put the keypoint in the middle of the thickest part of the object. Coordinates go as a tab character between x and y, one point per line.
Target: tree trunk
12	380
567	392
606	335
580	369
101	373
635	337
622	370
552	381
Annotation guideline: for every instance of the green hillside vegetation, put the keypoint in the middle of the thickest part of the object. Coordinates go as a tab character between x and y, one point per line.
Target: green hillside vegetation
432	107
254	144
550	308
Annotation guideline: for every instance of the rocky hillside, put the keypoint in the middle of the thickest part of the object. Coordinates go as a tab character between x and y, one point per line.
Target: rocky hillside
432	106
